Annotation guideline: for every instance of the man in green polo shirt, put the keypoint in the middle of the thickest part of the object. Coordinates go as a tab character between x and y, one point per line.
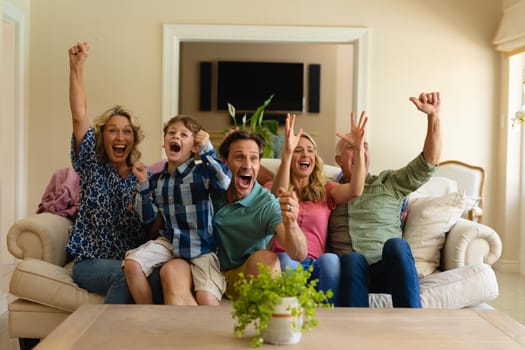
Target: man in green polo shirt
374	257
248	216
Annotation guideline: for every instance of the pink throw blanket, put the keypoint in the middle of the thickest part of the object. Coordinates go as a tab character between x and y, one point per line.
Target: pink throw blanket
61	196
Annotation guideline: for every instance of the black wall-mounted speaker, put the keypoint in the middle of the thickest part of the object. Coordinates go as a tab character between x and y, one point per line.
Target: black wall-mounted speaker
314	88
205	86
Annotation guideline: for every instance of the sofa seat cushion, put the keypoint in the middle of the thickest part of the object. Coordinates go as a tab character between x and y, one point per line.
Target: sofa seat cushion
460	287
33	320
44	283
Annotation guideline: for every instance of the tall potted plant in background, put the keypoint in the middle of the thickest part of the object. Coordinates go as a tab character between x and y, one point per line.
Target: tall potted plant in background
257	124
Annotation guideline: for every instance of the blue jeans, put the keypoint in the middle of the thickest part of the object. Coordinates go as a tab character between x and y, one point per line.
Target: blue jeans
395	274
106	277
326	269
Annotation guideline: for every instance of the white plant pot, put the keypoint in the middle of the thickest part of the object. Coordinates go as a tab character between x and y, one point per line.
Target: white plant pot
281	328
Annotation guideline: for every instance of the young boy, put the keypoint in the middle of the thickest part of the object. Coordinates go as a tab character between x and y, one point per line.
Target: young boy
181	193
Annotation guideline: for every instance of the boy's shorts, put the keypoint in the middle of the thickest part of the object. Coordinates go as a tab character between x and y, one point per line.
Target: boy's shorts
151	254
207	275
205	269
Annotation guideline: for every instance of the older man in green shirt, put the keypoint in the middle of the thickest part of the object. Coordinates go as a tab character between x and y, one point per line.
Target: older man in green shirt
375	258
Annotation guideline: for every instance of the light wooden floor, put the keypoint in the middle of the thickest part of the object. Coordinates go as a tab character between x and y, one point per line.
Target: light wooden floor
511	300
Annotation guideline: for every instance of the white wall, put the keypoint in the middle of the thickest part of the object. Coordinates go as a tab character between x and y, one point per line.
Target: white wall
416	45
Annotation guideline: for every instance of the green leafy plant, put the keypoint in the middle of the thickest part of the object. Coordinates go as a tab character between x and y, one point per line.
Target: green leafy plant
257	124
257	297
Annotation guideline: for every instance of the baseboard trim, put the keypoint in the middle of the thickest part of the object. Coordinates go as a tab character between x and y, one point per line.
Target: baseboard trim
504	265
4	300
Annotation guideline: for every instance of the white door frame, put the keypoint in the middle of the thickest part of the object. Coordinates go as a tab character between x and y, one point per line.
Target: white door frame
175	34
17	17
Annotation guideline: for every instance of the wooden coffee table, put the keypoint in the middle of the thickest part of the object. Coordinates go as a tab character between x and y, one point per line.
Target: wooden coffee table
98	327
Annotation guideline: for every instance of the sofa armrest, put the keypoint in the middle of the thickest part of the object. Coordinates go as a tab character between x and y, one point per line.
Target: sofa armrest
40	236
470	243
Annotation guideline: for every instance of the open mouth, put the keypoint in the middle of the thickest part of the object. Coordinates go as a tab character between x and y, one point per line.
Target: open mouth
245	180
175	147
304	164
119	150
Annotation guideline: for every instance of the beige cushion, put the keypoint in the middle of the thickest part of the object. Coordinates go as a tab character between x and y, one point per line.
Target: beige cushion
44	283
460	287
428	220
33	320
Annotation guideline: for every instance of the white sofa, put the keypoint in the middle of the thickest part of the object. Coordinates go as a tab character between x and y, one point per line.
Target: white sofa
46	294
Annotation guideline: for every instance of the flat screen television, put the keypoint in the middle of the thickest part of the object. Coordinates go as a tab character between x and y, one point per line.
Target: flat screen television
246	85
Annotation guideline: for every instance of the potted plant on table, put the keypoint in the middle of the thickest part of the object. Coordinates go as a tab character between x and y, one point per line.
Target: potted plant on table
280	305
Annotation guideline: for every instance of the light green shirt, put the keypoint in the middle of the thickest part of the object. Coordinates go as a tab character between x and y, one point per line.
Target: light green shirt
374	217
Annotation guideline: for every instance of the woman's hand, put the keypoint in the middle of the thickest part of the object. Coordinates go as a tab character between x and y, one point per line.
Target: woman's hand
78	54
140	172
356	136
291	139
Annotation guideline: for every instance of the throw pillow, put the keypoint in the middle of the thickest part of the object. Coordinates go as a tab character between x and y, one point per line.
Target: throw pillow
428	221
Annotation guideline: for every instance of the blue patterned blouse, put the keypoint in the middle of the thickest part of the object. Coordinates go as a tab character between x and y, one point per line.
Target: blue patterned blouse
106	225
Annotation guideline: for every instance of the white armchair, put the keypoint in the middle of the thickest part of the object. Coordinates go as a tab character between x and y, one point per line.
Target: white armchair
469	178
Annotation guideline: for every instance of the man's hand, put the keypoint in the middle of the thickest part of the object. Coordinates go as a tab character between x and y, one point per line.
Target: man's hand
78	54
140	172
429	103
289	206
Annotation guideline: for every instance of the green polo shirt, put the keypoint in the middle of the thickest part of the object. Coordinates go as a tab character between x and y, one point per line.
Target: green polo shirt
244	226
374	217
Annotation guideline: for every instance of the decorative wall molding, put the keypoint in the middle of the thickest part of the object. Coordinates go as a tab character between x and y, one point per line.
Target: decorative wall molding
175	34
510	37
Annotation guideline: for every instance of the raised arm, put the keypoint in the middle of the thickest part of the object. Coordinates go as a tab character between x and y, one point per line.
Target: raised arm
342	193
430	103
220	175
282	178
77	94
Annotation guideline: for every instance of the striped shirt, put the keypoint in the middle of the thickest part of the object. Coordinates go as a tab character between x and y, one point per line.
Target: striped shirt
183	199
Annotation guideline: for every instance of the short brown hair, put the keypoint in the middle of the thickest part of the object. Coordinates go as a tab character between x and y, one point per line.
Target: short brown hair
188	122
224	148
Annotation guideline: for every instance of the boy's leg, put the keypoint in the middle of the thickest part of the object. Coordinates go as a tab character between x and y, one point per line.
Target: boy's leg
206	298
177	283
137	282
140	262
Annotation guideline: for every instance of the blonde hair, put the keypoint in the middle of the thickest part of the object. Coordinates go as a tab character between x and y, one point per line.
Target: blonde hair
315	191
98	129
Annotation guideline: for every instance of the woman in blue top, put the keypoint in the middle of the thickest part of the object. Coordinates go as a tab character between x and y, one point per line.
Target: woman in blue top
102	155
